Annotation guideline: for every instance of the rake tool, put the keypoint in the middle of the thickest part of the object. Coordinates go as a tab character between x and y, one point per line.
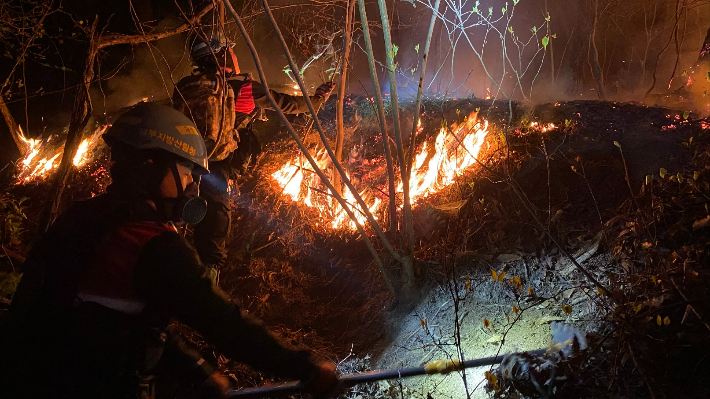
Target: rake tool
349	380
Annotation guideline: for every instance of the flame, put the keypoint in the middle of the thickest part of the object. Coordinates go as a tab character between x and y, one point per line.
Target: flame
455	151
543	128
41	158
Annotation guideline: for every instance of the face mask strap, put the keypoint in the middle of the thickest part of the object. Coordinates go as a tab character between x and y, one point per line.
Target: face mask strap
186	201
176	177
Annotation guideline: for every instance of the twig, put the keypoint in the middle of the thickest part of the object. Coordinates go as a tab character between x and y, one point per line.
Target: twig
685	298
289	127
636	364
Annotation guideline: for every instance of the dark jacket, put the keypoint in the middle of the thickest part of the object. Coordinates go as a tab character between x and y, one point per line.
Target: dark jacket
65	341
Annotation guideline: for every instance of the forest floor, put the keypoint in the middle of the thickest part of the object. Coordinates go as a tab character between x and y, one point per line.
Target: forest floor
624	188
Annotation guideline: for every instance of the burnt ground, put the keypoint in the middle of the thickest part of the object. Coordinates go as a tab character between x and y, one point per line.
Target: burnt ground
318	288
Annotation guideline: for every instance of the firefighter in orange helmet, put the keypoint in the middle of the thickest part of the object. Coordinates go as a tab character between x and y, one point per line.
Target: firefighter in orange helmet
99	289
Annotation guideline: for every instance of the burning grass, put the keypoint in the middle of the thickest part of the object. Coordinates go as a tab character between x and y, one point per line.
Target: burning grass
43	156
454	152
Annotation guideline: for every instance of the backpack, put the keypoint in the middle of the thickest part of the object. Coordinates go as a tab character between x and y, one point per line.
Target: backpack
209	102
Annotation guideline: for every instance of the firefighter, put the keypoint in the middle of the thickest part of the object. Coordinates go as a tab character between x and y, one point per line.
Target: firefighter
101	286
233	146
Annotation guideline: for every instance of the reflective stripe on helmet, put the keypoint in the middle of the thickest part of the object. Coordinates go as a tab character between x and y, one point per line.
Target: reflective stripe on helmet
153	126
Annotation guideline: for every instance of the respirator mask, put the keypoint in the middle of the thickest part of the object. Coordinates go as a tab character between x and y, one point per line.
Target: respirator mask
188	206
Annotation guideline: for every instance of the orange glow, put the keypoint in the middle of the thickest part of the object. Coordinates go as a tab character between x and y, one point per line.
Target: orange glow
41	159
542	128
454	152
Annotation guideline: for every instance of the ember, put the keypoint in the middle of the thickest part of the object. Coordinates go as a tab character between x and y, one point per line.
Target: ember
42	157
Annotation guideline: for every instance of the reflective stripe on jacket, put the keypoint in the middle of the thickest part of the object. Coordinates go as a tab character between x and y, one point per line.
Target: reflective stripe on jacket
109	280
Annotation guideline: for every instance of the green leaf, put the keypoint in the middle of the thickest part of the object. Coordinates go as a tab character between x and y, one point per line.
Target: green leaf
395	49
416	48
662	173
8	283
475	8
686	114
649	179
545	41
490	12
534	29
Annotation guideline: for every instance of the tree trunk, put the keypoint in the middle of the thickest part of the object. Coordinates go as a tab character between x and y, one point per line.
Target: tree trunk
408	293
420	89
12	126
552	53
380	115
596	69
80	117
704	55
339	125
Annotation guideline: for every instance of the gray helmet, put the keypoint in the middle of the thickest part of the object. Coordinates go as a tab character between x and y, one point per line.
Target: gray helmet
152	126
217	43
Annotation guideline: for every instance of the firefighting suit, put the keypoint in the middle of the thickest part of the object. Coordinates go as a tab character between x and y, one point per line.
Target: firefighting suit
210	235
98	291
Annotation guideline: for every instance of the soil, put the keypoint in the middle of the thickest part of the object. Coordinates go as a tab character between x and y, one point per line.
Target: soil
613	148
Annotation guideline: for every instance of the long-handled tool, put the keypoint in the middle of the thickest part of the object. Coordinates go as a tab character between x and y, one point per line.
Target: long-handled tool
436	367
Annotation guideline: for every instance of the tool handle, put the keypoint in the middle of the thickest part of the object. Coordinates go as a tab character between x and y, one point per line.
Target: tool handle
349	380
266	390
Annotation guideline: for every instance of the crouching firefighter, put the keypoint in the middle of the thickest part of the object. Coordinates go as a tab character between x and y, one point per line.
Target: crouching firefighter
99	289
223	104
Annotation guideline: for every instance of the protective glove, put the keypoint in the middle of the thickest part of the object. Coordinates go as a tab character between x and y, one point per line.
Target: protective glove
325	89
325	383
217	385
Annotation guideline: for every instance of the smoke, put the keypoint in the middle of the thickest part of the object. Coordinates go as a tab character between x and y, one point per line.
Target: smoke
550	48
147	71
549	53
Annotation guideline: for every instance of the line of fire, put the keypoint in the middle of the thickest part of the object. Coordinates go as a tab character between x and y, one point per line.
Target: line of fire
355	199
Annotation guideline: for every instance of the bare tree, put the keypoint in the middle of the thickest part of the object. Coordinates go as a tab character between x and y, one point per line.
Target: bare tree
22	26
82	103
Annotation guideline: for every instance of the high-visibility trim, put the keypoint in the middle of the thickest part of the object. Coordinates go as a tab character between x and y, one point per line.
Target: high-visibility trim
128	306
109	280
244	99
